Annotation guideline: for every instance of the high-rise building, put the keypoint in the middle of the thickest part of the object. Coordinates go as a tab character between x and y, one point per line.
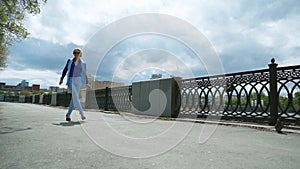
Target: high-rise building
23	83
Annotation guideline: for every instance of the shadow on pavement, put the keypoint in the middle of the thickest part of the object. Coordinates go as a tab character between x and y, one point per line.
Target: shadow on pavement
7	130
67	124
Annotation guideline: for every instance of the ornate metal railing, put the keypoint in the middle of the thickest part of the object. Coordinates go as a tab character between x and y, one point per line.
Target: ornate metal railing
251	95
288	79
237	95
117	98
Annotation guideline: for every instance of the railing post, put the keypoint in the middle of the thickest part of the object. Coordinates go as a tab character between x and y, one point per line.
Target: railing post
273	93
106	99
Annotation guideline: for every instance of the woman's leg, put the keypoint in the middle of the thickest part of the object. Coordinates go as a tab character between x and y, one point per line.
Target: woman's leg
71	106
75	94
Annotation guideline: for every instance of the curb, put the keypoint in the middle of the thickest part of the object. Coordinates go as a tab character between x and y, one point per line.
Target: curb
285	130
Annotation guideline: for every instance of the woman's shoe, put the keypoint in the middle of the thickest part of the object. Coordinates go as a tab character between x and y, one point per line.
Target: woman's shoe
68	118
83	117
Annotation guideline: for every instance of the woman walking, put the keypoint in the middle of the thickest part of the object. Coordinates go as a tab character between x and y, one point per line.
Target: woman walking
76	69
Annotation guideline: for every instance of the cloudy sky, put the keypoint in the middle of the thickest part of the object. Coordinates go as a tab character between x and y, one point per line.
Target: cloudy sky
244	34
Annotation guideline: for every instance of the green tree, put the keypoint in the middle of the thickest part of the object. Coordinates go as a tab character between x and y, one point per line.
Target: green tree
283	101
297	98
38	92
25	93
263	97
12	13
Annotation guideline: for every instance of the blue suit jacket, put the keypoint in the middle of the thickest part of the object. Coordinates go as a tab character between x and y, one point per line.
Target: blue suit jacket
68	68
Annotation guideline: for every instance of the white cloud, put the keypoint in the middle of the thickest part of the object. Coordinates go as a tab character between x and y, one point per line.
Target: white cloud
150	61
252	30
269	23
74	21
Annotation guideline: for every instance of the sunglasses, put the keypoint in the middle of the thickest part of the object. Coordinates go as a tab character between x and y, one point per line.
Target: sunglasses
76	53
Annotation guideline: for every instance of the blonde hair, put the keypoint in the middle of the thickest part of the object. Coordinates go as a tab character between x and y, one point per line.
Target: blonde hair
78	49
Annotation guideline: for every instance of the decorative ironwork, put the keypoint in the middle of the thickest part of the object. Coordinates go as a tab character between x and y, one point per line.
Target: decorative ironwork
117	98
288	79
243	95
236	95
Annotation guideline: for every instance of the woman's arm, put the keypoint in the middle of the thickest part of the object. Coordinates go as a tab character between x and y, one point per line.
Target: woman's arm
64	72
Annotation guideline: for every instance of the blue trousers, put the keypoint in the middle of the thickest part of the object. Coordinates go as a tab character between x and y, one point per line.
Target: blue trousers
74	85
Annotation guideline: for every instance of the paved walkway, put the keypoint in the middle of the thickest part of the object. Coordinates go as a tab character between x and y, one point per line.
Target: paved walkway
36	136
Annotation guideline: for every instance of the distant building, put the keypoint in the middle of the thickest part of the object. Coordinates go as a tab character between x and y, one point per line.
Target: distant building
35	87
57	89
53	88
61	90
104	84
156	76
23	83
19	87
11	88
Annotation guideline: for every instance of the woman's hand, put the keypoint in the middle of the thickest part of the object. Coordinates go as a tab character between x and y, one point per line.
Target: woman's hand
60	82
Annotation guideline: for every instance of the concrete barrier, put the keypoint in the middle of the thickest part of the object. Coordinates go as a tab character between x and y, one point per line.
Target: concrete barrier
164	93
36	99
53	99
33	99
41	99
